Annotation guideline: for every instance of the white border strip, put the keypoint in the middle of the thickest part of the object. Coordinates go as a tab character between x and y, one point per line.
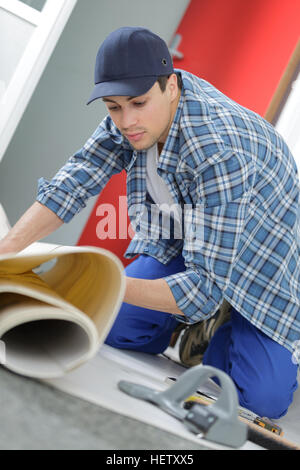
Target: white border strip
21	10
31	66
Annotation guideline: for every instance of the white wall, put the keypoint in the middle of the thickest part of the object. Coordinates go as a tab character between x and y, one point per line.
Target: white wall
288	123
57	122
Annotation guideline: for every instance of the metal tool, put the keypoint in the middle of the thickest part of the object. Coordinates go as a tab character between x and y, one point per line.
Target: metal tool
217	422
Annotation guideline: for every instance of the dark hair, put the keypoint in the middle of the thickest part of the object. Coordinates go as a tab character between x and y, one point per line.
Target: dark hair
162	81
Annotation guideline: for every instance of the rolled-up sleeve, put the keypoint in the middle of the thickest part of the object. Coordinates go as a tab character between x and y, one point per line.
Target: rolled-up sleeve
213	226
85	173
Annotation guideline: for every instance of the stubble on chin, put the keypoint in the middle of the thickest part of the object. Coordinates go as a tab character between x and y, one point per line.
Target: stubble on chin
144	147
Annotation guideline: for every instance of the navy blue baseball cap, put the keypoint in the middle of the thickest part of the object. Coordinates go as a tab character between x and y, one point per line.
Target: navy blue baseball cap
128	63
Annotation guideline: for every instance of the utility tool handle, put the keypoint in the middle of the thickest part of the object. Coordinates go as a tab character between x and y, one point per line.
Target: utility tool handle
226	428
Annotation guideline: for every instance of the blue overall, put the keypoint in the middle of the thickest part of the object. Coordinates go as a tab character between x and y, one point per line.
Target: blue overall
262	370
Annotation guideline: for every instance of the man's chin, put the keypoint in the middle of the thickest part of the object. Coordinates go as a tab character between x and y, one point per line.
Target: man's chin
145	143
142	146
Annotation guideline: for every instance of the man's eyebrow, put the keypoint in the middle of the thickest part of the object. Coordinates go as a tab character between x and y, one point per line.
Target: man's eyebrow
112	101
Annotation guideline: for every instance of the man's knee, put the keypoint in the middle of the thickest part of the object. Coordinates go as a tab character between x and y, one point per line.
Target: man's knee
146	343
138	332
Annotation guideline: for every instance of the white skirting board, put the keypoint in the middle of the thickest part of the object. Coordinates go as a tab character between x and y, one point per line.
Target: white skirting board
97	382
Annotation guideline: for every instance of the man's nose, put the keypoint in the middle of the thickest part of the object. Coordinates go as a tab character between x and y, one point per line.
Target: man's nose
129	120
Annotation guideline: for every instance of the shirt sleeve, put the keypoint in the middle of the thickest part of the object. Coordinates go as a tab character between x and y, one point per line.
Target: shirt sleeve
85	173
213	225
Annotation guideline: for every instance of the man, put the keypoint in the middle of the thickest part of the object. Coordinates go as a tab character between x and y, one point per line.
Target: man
236	191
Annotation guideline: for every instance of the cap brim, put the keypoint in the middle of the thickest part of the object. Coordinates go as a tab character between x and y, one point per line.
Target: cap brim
129	87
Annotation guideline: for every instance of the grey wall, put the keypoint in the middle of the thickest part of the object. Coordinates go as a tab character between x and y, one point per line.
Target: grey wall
57	122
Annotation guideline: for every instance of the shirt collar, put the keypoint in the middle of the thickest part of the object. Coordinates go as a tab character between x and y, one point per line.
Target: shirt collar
168	159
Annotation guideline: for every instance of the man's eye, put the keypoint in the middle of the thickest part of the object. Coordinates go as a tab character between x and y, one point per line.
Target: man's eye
139	103
113	108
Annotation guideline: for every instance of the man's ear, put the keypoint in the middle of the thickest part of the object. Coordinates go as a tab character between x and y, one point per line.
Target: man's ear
172	86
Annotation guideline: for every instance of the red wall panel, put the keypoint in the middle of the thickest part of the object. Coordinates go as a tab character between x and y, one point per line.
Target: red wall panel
241	46
116	242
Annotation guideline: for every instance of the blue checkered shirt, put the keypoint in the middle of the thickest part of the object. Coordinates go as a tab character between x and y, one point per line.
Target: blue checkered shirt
230	162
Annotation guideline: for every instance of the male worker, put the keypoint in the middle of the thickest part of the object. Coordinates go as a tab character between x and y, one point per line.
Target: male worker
182	142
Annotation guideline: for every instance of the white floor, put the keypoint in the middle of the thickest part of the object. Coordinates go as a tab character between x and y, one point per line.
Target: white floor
97	382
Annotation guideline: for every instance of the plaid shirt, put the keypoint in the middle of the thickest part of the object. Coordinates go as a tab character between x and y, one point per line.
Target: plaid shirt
230	162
